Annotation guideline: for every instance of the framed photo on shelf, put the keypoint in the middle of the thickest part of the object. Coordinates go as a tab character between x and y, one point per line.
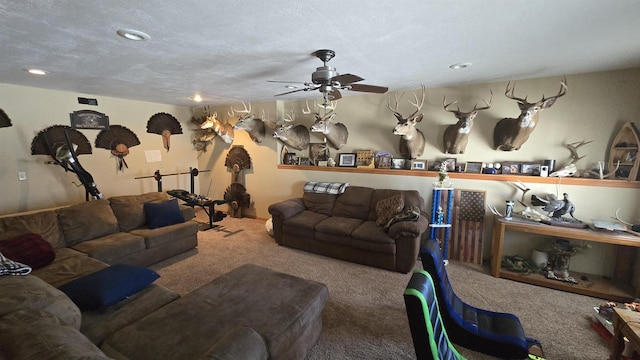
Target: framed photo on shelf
347	159
510	168
304	161
473	167
398	163
530	169
450	164
290	159
418	164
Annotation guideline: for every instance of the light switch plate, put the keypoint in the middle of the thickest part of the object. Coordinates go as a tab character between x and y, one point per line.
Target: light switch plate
22	175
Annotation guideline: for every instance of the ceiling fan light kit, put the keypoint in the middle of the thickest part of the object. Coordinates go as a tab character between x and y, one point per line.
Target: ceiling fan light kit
329	82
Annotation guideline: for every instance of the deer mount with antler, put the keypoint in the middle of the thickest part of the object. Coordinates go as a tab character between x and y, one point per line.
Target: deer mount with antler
248	122
336	134
456	136
511	133
412	140
224	130
295	136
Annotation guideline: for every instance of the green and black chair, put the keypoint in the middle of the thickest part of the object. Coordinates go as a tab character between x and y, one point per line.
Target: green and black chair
430	339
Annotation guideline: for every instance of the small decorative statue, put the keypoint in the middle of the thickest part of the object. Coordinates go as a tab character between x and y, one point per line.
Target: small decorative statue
563	250
440	216
557	208
442	181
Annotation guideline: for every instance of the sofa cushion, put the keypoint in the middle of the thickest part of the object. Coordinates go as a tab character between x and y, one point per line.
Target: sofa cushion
154	238
353	203
87	221
372	237
44	223
387	208
242	343
30	292
319	203
30	249
163	214
108	286
112	247
338	225
37	334
129	211
68	265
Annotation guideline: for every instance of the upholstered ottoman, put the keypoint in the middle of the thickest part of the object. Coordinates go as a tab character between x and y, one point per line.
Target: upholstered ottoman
283	314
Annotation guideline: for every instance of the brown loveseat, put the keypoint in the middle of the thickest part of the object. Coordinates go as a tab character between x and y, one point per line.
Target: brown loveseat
221	320
376	227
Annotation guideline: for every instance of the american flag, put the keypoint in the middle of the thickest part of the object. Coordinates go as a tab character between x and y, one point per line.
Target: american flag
467	226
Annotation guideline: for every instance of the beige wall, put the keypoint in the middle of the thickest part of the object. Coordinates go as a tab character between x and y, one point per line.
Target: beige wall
594	108
32	110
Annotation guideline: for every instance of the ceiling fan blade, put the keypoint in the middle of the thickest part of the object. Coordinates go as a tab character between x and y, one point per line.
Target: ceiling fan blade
285	82
293	91
334	95
369	88
346	79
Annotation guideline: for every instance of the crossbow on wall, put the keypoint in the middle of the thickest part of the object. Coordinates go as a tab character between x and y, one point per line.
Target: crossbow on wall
63	144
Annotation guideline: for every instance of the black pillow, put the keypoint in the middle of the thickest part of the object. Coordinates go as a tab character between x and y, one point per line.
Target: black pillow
108	286
163	214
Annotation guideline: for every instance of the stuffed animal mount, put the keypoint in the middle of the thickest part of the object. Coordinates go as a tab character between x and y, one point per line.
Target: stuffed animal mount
412	140
456	136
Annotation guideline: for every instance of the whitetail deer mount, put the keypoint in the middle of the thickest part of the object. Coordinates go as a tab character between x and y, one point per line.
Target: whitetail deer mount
456	136
295	136
511	133
248	122
335	134
412	140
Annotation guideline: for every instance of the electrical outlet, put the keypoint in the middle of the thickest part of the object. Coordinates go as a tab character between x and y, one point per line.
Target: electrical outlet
22	175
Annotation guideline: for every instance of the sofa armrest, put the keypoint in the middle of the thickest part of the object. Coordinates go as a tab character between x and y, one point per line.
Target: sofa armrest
409	229
241	344
287	208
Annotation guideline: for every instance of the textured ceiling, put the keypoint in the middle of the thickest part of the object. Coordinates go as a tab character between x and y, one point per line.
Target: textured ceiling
227	50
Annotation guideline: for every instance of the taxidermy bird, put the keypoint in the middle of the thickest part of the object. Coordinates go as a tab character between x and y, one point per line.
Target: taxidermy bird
553	205
164	124
118	139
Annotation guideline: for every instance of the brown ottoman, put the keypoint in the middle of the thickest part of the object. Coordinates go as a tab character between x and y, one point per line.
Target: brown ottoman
286	311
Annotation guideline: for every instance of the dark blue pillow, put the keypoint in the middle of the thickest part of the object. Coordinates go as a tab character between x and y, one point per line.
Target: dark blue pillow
108	286
163	214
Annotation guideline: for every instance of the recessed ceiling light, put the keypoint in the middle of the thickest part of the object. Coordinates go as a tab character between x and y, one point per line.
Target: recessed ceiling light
197	98
36	71
134	35
291	86
460	65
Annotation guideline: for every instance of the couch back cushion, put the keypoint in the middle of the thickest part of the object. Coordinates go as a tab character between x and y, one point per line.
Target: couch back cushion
44	223
319	203
87	221
353	203
129	209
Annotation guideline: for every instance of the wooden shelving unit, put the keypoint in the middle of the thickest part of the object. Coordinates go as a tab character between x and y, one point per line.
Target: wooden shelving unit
620	288
619	183
624	149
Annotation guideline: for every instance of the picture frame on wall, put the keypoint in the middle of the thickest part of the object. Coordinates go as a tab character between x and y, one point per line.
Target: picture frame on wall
347	159
418	164
89	119
473	167
510	168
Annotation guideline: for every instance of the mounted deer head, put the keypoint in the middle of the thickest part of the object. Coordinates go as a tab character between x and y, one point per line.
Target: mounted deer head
248	122
456	136
224	130
412	140
296	136
510	134
335	134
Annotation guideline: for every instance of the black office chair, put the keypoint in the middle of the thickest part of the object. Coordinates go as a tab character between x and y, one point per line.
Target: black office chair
492	333
430	339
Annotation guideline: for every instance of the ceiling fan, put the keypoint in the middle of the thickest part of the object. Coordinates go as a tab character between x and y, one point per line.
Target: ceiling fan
329	82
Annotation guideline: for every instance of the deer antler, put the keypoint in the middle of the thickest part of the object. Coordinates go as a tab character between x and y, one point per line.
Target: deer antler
495	211
289	117
511	89
622	221
244	111
445	105
573	147
563	90
394	109
600	173
488	104
417	104
522	187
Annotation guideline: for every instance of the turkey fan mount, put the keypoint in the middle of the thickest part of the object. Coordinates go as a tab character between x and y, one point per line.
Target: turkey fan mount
164	124
119	140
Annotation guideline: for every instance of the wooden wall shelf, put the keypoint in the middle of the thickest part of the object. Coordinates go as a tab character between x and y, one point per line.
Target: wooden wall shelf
472	176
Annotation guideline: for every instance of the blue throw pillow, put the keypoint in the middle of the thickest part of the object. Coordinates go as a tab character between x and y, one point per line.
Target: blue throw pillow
108	286
163	214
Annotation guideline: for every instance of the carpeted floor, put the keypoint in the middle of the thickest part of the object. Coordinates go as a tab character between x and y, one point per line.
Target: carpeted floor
365	317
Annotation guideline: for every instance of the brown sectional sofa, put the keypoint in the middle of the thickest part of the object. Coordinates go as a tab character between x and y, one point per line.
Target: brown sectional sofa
344	226
222	320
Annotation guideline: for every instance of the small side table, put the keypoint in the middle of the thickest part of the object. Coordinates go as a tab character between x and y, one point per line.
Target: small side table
625	324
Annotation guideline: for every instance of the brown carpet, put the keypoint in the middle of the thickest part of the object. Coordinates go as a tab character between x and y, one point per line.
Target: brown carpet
365	317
